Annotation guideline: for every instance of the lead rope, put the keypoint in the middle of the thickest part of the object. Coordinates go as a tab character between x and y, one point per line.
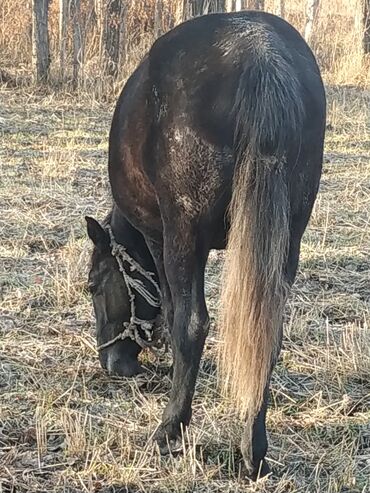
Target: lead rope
156	335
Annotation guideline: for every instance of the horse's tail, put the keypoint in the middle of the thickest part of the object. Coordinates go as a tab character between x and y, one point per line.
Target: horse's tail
269	115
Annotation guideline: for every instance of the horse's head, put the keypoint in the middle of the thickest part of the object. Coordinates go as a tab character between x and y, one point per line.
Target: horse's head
111	305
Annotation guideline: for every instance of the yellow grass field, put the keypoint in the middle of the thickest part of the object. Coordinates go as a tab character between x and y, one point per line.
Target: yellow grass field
65	426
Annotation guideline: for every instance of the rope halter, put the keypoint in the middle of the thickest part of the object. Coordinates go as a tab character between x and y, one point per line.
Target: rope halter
156	336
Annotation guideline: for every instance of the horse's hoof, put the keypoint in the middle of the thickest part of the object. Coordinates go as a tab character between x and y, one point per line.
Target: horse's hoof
168	440
260	471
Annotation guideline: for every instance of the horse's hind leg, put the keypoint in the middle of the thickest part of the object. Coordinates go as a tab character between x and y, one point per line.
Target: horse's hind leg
184	262
259	438
260	467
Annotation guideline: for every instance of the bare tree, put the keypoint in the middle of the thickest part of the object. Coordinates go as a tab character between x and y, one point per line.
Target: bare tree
158	18
186	10
99	17
366	27
123	39
40	40
78	41
113	21
206	6
236	5
280	8
178	12
63	21
311	14
193	8
258	4
114	36
229	5
200	7
172	15
218	6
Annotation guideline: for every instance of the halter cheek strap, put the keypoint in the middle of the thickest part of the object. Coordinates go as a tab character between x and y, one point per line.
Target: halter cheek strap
156	336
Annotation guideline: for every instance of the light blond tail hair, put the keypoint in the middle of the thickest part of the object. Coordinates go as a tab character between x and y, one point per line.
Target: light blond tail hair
269	114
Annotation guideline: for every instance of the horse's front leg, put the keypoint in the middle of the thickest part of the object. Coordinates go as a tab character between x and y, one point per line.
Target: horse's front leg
185	274
156	250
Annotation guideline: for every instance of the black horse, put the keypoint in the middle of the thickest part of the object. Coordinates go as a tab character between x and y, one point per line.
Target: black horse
217	139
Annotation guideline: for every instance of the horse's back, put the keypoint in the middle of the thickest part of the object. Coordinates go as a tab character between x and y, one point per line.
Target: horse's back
196	68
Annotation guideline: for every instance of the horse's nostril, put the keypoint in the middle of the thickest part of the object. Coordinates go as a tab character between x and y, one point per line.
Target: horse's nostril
123	368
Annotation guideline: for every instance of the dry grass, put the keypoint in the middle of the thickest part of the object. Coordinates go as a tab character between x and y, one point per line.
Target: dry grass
65	426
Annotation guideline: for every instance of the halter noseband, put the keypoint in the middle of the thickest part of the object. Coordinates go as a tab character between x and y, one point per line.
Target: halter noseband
155	334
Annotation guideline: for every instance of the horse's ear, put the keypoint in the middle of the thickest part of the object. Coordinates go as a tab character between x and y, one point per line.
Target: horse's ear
97	234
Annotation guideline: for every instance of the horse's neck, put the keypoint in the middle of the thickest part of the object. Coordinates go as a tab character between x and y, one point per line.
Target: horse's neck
131	239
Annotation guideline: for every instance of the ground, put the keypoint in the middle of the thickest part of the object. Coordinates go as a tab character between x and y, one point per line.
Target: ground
65	426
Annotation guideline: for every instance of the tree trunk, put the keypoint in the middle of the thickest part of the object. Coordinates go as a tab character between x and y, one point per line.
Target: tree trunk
218	6
311	13
206	6
63	22
78	46
123	40
171	16
280	8
186	10
366	27
193	8
112	35
229	5
158	18
258	4
40	40
198	7
178	12
99	16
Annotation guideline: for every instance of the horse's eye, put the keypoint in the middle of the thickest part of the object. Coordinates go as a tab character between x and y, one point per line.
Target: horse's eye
92	287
